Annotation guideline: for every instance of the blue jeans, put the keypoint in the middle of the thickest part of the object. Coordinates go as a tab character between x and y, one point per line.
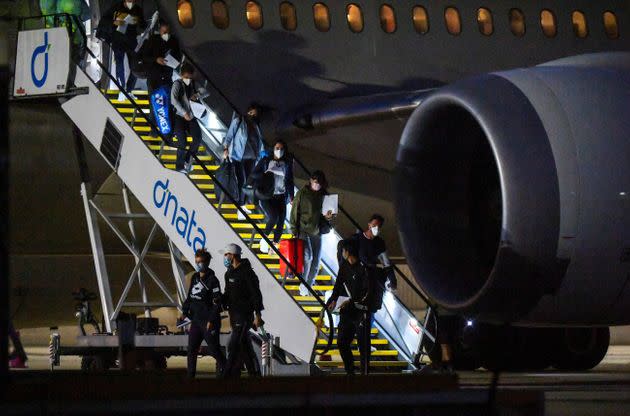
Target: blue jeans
119	56
312	257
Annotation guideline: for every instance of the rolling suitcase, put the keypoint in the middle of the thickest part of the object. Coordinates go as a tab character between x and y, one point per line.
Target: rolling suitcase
293	251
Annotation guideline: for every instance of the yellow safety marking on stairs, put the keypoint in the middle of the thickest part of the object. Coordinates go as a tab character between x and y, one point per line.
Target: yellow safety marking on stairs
326	330
137	119
174	157
377	353
232	206
373	341
127	102
205	186
142	128
156	147
312	308
130	110
134	92
295	279
356	363
195	167
235	216
258	236
243	225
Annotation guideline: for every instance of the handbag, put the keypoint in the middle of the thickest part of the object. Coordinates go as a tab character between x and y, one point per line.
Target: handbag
226	176
265	186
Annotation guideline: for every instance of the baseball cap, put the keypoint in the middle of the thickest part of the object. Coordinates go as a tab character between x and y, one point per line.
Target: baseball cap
231	249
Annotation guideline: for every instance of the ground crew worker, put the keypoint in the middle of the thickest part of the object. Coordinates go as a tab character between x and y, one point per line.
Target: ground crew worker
353	282
203	308
243	300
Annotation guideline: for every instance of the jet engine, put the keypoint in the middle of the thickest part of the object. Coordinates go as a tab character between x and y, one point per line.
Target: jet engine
513	194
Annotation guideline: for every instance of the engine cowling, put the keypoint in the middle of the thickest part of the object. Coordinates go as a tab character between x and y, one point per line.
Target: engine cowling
512	193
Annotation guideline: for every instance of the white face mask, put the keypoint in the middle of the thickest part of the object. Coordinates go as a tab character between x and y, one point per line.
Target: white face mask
166	36
129	4
186	81
374	230
278	153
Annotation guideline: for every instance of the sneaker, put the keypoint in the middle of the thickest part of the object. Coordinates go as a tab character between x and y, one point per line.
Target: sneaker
264	247
122	96
184	171
244	208
303	290
240	216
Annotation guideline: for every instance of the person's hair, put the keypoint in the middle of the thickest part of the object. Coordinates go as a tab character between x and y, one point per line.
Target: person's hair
351	247
237	256
319	176
163	22
284	145
253	105
187	68
203	253
377	217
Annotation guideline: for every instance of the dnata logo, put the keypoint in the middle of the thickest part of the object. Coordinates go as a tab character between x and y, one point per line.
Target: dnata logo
183	221
161	112
42	49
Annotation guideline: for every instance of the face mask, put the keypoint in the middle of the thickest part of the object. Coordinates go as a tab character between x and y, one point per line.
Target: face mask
129	4
166	36
278	153
201	267
374	231
186	81
344	254
316	187
226	262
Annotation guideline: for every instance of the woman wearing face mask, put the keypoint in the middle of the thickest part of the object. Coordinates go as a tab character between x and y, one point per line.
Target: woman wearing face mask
128	21
280	164
306	223
203	308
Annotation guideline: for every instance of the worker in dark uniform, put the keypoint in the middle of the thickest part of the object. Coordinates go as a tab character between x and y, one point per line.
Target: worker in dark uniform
203	308
353	282
243	300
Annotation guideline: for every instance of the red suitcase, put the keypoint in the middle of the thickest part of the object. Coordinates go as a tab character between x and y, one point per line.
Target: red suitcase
293	251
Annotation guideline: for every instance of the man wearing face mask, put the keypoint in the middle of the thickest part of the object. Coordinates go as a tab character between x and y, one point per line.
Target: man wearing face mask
353	283
243	300
183	92
243	144
280	165
203	308
128	21
154	52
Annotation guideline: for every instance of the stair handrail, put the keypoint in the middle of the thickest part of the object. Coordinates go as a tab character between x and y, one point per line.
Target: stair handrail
399	272
74	19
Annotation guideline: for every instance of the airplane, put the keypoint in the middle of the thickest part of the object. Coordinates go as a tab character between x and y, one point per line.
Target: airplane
344	83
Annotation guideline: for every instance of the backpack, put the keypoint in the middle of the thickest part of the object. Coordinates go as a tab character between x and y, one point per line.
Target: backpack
377	278
265	186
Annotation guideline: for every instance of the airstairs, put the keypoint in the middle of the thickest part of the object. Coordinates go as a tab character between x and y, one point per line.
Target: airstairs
186	209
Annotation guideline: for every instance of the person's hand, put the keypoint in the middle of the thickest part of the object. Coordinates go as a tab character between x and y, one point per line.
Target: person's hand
195	97
258	322
345	304
329	215
225	153
188	117
331	306
160	60
209	326
118	22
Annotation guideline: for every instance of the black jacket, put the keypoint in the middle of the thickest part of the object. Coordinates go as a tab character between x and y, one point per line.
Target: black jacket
353	278
128	39
242	292
203	303
155	47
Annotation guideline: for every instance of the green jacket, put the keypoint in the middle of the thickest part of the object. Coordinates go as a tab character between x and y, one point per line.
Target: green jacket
307	204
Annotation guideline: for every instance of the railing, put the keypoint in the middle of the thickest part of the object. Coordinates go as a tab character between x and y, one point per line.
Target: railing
67	20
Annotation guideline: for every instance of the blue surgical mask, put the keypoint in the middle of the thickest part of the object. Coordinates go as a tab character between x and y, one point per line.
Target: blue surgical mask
226	262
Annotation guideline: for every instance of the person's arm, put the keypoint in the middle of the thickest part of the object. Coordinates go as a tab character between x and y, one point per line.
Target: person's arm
186	304
229	136
142	24
293	220
255	299
289	183
175	50
332	300
176	93
388	268
214	299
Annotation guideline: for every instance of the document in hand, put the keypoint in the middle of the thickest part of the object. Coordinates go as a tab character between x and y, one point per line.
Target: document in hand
331	203
170	61
199	110
340	301
183	323
122	28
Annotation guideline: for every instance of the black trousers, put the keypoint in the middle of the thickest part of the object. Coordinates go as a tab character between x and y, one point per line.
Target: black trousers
355	323
241	351
182	128
243	168
276	212
198	334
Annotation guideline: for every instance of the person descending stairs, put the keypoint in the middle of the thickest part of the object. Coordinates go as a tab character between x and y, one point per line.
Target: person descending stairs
384	355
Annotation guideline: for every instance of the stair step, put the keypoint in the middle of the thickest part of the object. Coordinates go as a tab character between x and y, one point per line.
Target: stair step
316	309
232	206
158	139
134	92
380	364
131	110
373	331
318	278
117	103
373	341
235	216
377	353
245	225
258	236
156	147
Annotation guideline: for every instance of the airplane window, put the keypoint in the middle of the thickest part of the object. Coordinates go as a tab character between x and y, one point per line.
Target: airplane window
548	23
420	19
484	21
388	19
355	18
220	16
579	24
253	12
321	16
185	13
453	21
288	16
610	25
517	22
